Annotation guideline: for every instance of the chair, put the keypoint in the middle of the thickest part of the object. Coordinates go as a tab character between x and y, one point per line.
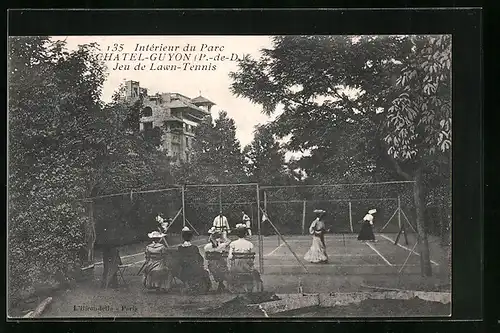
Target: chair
217	265
248	277
121	272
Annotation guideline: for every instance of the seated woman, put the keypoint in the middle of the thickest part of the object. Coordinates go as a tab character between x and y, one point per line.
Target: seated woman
157	274
241	257
216	256
192	273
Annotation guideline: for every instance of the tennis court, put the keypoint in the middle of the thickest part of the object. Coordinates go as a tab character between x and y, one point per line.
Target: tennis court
350	264
347	256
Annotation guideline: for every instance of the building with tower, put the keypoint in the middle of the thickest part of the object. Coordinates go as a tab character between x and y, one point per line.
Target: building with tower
179	115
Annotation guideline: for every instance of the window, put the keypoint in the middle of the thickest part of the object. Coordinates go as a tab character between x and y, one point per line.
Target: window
187	142
187	157
148	125
136	92
147	112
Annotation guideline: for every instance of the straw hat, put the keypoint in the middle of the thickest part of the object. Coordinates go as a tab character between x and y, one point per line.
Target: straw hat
156	234
372	211
368	217
241	226
319	211
185	229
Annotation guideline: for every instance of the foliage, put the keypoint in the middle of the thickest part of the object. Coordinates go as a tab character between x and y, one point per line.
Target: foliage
265	159
331	90
378	104
65	145
217	156
419	120
53	99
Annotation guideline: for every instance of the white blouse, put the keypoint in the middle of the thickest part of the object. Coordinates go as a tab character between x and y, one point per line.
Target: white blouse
369	218
240	246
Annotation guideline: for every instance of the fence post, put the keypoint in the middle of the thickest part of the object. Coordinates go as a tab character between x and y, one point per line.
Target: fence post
261	249
350	217
399	212
220	199
304	218
183	207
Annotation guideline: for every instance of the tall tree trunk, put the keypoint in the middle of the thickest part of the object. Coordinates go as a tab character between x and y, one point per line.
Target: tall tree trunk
91	234
425	262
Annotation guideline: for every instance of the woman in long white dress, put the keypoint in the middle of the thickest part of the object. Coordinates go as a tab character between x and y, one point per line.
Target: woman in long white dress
317	251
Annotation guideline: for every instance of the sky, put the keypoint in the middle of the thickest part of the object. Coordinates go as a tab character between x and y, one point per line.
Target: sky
213	84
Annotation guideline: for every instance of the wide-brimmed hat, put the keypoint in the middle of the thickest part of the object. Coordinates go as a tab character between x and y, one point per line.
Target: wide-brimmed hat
319	211
214	231
156	234
372	211
186	229
241	226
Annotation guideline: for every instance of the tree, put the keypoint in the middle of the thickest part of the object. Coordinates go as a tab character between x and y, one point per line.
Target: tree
53	101
64	145
265	158
337	93
217	156
419	120
216	159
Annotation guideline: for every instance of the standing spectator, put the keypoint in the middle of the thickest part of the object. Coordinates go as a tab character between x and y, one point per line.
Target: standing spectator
246	222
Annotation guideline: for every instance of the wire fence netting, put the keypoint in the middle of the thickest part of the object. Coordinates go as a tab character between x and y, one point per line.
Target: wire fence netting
292	208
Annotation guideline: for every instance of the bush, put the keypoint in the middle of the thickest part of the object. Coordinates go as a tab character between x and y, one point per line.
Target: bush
44	242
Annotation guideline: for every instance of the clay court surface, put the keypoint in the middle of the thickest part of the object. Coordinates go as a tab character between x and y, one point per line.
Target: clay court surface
353	267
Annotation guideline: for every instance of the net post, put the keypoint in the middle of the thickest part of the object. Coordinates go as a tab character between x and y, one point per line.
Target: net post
350	217
304	217
399	211
183	206
261	250
220	199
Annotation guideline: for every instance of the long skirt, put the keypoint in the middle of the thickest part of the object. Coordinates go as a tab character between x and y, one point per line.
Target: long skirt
317	251
366	232
157	275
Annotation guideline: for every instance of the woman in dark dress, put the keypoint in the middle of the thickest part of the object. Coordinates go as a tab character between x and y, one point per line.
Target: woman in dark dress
366	232
192	272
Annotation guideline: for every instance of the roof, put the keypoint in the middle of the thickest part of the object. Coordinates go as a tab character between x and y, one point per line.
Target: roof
181	104
202	100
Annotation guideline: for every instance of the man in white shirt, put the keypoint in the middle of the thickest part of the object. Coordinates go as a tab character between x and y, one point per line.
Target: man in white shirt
220	224
246	222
